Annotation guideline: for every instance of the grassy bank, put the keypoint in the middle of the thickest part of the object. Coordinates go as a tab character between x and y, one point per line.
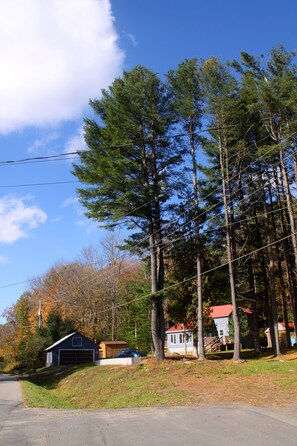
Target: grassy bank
264	381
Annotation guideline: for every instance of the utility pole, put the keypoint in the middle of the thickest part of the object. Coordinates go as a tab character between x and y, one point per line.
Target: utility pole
40	322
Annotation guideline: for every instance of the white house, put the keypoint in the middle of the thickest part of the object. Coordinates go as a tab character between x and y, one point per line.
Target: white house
180	337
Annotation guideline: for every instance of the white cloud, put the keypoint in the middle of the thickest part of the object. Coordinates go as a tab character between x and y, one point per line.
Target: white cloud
132	38
81	220
72	201
57	219
76	142
55	55
88	225
17	218
3	259
43	141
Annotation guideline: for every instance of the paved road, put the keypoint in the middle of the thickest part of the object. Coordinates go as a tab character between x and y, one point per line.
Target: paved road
187	426
10	397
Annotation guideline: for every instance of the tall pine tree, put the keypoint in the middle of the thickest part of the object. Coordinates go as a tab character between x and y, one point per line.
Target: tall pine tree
129	170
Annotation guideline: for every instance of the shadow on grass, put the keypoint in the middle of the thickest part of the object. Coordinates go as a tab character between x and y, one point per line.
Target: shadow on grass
51	377
222	355
244	354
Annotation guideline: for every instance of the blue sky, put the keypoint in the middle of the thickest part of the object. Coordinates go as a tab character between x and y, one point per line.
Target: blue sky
55	56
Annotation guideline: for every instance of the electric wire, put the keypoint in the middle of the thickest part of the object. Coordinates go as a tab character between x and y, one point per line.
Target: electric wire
138	261
195	276
118	146
170	242
208	210
52	183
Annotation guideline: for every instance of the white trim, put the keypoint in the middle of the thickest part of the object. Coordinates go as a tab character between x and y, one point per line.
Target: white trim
59	342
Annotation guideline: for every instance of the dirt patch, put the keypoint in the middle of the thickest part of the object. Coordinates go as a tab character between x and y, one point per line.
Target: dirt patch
225	381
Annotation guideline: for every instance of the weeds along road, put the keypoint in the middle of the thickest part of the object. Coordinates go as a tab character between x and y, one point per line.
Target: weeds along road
209	425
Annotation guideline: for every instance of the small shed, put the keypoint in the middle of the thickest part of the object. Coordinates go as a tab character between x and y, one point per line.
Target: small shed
73	349
282	335
109	349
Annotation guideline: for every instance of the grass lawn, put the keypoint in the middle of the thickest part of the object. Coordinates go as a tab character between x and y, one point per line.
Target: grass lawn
264	381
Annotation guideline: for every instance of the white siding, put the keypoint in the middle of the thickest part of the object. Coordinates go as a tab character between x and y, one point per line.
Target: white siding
222	326
176	343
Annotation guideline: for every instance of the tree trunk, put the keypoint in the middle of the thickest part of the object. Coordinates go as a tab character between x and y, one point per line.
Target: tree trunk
284	303
230	241
290	272
293	227
251	278
157	266
255	322
157	316
271	284
201	349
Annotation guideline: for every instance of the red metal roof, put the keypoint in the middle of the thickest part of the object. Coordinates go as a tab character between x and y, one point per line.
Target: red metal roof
221	311
225	311
215	312
180	327
290	324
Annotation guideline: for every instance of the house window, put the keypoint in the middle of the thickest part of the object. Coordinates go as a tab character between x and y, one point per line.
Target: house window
221	332
181	338
76	342
173	339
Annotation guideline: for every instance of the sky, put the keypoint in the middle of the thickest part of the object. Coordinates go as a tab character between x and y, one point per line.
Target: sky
58	54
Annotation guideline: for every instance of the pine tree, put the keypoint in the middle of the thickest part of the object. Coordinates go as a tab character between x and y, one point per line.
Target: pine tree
129	170
222	108
187	104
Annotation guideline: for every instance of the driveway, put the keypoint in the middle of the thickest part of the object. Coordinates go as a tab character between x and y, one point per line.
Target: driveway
210	425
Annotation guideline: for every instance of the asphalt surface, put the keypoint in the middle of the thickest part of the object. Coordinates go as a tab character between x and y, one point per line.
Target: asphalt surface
204	426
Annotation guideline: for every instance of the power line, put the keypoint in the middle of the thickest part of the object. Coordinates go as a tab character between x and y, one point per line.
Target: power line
39	184
17	163
195	277
13	284
39	158
217	204
118	146
201	214
203	198
87	280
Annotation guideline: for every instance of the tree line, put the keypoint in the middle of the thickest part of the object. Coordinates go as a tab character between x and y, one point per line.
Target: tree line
90	295
200	167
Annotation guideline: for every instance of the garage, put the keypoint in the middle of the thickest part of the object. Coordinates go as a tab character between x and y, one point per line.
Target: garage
73	349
